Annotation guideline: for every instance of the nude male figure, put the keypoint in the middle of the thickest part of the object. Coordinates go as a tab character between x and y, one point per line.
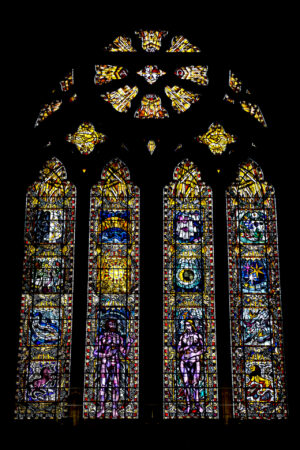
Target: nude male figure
109	346
190	349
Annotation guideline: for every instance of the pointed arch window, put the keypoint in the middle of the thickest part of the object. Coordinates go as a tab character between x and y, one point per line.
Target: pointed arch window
190	369
46	305
111	356
255	299
111	97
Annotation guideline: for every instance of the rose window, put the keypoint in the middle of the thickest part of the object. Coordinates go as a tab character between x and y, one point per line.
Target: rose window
151	90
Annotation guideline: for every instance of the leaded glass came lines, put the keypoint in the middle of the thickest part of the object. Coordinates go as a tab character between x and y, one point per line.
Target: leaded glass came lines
151	40
85	138
46	307
112	333
258	374
190	369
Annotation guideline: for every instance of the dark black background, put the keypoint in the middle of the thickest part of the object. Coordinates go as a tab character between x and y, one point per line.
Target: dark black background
260	45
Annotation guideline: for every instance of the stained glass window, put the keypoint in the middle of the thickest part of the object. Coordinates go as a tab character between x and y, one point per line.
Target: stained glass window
234	83
47	111
244	98
181	99
152	104
111	359
254	110
255	298
46	306
197	74
151	108
121	99
151	146
151	73
133	78
67	82
151	40
190	369
107	73
181	44
216	138
86	137
121	44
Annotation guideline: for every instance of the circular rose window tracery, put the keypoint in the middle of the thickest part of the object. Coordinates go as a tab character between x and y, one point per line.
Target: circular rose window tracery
152	105
149	84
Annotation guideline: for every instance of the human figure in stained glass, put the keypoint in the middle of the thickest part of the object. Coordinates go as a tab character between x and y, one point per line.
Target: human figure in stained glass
190	349
109	346
42	387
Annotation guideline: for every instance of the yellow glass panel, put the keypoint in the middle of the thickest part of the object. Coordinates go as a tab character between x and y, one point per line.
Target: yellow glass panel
121	99
85	138
181	44
216	138
181	99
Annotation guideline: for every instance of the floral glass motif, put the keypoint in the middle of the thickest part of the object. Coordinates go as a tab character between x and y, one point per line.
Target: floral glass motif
121	99
258	373
112	350
190	368
106	73
196	74
43	373
151	108
216	138
151	73
85	138
151	40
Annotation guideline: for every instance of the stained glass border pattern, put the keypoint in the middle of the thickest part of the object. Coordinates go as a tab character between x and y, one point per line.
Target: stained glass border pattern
258	373
43	371
190	361
112	334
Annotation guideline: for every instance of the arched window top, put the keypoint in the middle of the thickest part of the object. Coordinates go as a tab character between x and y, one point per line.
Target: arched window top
187	181
115	185
53	186
115	171
187	178
189	298
258	371
202	108
250	181
113	297
43	382
53	172
187	171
